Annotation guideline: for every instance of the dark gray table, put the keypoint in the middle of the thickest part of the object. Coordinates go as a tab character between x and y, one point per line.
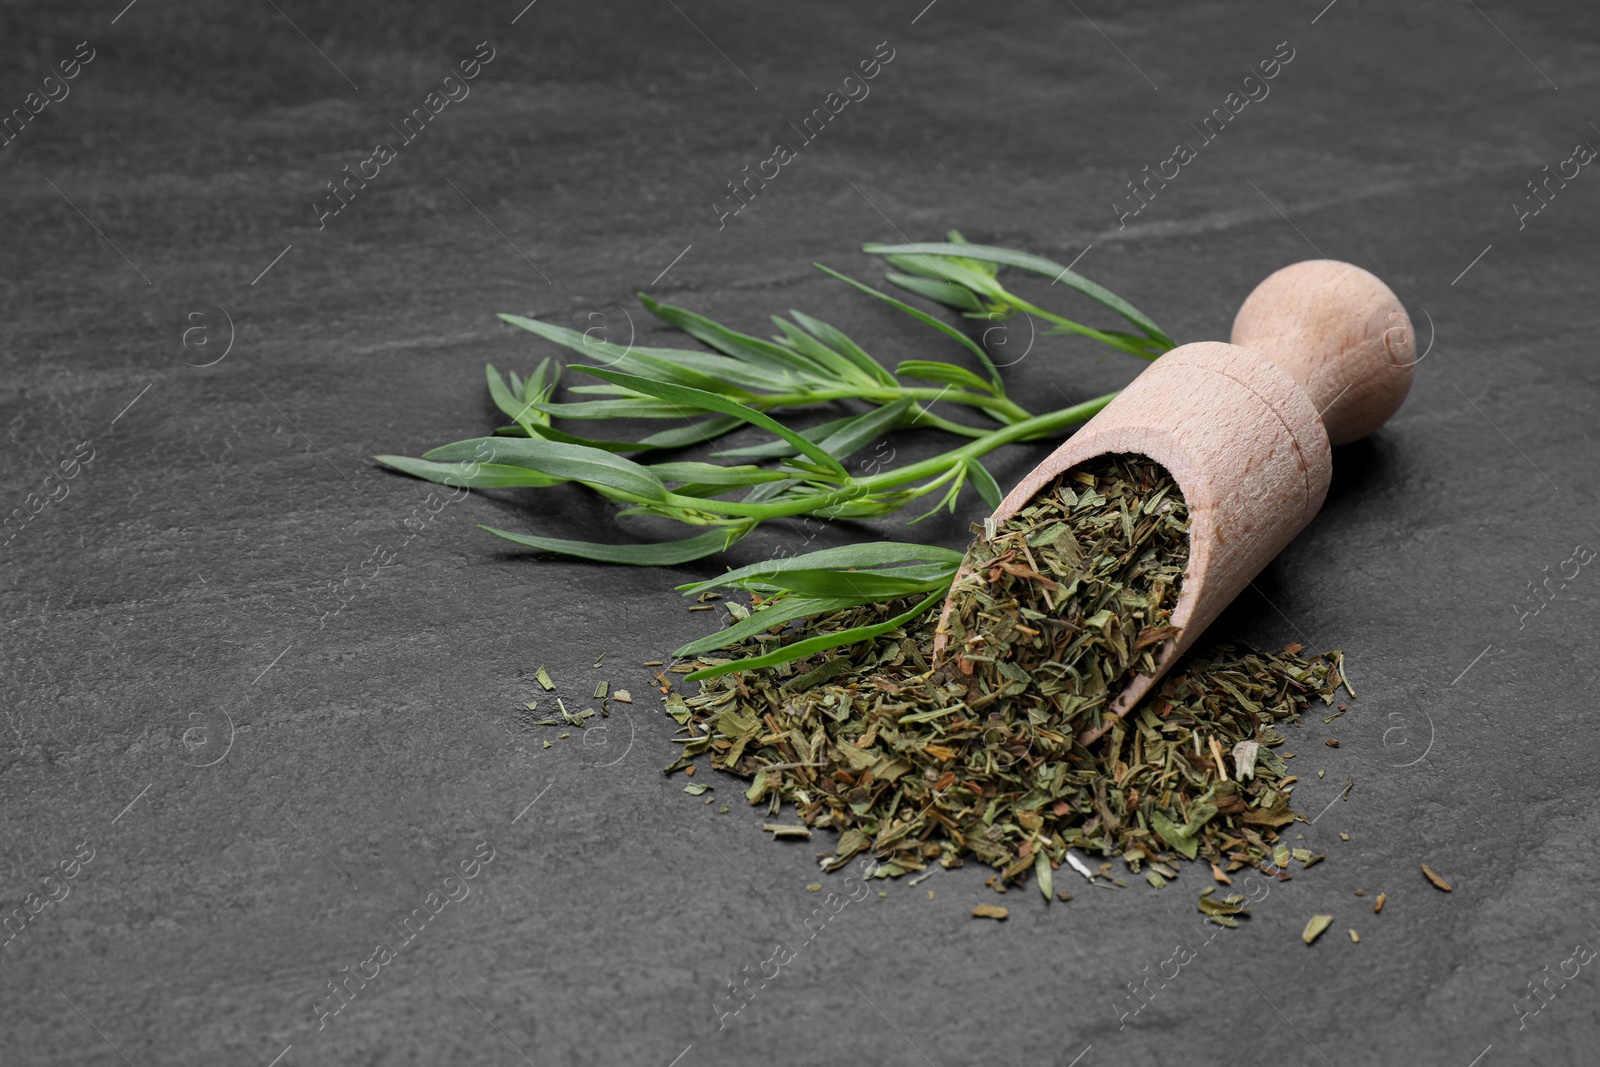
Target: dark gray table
364	753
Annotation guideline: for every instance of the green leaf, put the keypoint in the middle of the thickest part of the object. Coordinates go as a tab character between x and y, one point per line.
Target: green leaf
872	507
940	292
842	438
772	491
550	433
949	269
948	500
842	369
867	585
578	463
984	483
811	646
1038	265
660	554
937	371
1116	335
510	403
774	613
542	382
696	490
699	370
859	556
847	440
470	475
714	474
754	350
923	317
712	402
781	448
1139	346
693	434
840	343
640	408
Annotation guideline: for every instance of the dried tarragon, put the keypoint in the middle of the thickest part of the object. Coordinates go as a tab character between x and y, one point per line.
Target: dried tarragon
1057	611
871	741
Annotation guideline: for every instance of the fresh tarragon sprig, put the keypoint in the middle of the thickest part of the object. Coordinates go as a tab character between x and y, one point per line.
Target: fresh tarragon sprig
966	277
816	583
746	381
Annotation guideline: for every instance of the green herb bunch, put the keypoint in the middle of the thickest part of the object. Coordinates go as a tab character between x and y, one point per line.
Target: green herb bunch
745	381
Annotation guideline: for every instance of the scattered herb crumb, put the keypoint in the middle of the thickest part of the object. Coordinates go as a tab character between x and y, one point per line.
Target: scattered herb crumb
1332	742
1376	908
1314	927
1221	910
542	676
1433	876
991	911
814	887
696	789
1355	937
786	830
622	696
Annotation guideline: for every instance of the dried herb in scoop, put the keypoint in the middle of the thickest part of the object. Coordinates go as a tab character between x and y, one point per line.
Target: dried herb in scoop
1055	613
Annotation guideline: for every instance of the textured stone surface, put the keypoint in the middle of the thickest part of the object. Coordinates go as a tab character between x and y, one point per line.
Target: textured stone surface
186	571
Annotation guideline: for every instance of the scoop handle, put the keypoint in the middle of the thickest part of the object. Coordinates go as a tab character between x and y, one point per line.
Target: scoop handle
1341	334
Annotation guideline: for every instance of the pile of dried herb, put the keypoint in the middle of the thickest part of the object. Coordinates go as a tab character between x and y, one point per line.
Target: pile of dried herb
978	755
870	741
1056	612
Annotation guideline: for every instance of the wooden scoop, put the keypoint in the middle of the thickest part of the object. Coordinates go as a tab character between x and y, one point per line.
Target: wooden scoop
1322	354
